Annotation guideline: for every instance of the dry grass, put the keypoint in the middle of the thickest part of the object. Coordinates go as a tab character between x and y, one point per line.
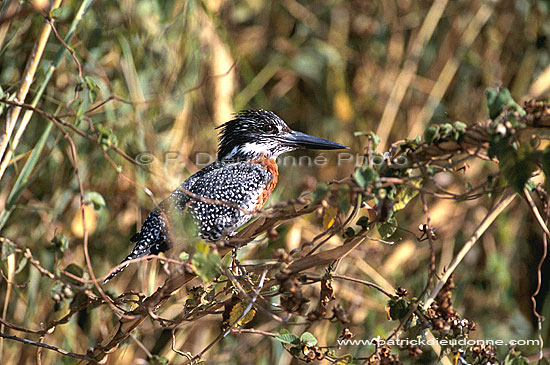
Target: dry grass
150	80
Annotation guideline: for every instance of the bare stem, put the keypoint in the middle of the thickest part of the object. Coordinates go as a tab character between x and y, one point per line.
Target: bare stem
485	223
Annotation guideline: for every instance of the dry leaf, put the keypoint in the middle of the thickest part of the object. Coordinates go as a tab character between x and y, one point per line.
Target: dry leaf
237	311
329	216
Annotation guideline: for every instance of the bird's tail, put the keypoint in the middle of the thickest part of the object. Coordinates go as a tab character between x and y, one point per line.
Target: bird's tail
116	272
151	239
140	249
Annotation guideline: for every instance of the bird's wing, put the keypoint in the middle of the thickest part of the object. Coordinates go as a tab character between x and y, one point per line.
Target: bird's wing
238	184
154	228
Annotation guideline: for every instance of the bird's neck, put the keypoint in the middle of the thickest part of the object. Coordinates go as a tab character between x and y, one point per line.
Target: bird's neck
247	152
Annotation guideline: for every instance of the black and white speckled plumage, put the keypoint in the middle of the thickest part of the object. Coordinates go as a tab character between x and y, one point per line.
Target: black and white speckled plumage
238	177
240	183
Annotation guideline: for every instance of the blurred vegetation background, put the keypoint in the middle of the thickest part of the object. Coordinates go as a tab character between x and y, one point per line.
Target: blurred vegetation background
171	71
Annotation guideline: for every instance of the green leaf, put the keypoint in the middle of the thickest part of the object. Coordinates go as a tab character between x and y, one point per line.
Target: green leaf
308	339
363	222
499	145
460	126
106	137
418	330
445	130
516	162
21	265
399	307
96	198
58	57
60	242
365	176
343	199
494	104
518	166
359	178
388	228
8	248
320	192
288	338
6	96
370	174
431	134
375	139
500	100
295	351
406	195
81	105
92	87
206	265
61	13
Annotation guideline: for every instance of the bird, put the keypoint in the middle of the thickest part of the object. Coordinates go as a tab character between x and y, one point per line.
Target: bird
221	196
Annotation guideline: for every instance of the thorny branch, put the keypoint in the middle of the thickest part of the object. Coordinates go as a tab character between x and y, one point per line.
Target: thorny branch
49	347
440	157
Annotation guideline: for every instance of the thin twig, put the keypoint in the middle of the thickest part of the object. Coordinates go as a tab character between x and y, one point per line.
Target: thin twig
485	223
253	331
536	212
244	313
543	225
48	347
20	329
366	283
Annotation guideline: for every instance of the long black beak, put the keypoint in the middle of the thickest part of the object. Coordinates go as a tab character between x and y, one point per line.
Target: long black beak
302	140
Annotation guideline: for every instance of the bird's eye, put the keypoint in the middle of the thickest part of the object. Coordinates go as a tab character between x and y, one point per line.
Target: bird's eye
269	128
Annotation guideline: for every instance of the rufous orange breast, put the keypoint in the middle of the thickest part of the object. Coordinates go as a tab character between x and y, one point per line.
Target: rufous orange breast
270	165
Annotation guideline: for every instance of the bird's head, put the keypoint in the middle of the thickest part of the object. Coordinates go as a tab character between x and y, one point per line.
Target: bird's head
252	134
